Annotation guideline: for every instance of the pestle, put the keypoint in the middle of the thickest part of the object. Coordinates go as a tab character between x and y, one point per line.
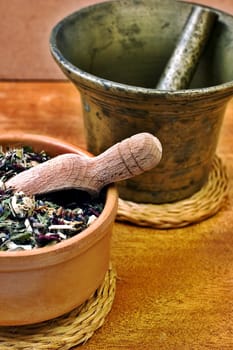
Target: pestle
123	160
183	62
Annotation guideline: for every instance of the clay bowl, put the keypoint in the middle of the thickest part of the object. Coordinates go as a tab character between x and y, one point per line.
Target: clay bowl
47	282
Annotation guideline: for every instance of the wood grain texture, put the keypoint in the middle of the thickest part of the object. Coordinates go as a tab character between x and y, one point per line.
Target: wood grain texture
123	160
174	287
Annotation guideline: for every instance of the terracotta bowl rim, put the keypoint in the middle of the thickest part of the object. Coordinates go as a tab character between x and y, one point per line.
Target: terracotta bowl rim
109	208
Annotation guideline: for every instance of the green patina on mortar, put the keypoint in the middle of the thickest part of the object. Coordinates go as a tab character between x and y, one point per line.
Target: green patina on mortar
114	53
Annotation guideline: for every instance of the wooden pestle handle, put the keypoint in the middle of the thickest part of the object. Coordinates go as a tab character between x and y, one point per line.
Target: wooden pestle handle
124	160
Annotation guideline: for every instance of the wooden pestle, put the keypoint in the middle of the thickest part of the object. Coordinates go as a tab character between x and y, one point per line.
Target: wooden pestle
183	62
124	160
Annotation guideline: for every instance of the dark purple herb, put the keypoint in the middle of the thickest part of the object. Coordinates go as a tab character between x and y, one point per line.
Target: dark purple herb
32	222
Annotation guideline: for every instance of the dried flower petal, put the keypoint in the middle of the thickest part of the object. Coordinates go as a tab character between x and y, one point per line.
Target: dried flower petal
22	205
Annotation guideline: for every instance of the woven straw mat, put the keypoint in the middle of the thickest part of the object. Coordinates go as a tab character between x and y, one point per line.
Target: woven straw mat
66	331
203	204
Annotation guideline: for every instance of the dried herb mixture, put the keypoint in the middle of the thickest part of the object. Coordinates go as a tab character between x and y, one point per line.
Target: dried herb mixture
33	222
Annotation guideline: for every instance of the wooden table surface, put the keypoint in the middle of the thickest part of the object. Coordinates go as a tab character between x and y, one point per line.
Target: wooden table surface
174	287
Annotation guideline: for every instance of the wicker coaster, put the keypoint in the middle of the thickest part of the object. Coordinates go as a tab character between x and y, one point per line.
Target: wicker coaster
66	331
203	204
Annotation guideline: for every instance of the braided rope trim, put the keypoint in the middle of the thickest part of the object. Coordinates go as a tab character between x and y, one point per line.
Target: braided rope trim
68	330
200	206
